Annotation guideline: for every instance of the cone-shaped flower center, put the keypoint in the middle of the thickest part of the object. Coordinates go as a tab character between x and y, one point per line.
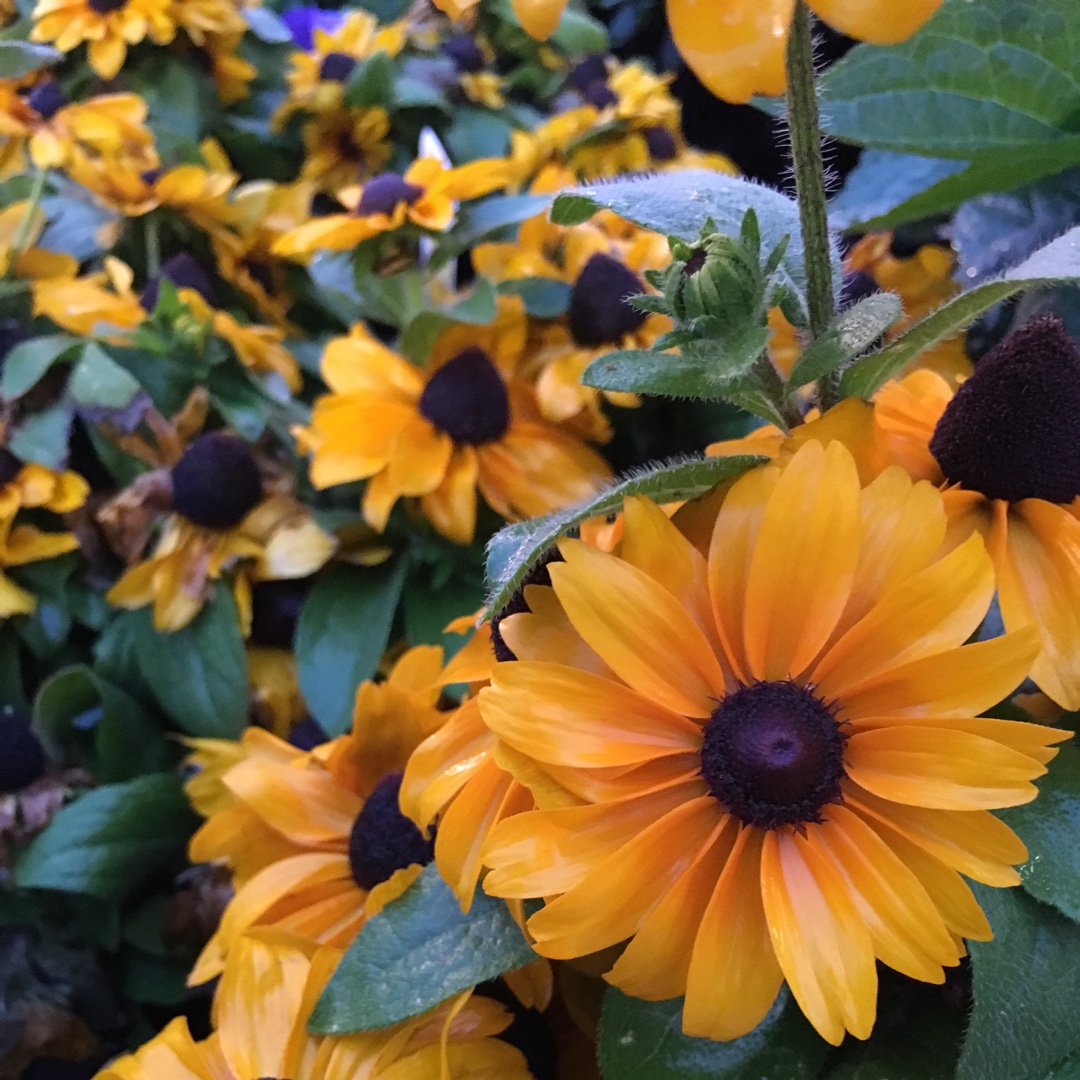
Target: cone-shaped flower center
307	734
382	194
336	67
216	483
1013	429
661	143
383	840
588	71
773	754
46	99
599	313
463	50
105	7
600	94
22	760
467	399
10	466
185	273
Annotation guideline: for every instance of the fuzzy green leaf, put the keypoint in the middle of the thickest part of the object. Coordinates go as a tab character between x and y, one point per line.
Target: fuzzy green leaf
1026	1017
341	636
514	549
420	950
111	839
1056	263
643	1040
997	75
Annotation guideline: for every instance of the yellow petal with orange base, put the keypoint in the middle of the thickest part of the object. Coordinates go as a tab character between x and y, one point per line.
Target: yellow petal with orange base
735	47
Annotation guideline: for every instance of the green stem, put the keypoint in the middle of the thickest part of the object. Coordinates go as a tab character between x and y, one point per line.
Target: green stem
805	127
153	245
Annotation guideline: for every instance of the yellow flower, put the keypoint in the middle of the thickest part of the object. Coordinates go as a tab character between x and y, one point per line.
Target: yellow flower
736	47
442	433
107	26
277	703
343	145
315	839
33	486
203	20
99	302
762	761
317	78
483	88
425	196
28	261
261	1012
232	73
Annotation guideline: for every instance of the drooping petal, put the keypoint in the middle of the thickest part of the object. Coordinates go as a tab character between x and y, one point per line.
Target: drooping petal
545	632
821	942
803	565
734	975
639	629
940	769
451	507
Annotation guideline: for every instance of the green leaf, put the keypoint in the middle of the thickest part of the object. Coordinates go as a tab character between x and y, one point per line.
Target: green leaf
19	58
579	34
478	133
120	738
97	379
29	360
1026	1017
111	839
420	950
43	436
999	75
371	82
853	332
514	549
988	171
1050	826
1057	263
643	1040
267	26
197	675
544	298
341	636
679	204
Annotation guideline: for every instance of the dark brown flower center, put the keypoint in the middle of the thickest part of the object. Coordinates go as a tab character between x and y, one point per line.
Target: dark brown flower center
185	273
467	399
383	840
337	67
22	759
773	754
46	99
588	71
599	313
382	194
1013	429
216	484
601	95
10	466
464	51
661	143
105	7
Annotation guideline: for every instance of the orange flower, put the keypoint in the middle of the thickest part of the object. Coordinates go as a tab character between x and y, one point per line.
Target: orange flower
763	761
464	423
315	838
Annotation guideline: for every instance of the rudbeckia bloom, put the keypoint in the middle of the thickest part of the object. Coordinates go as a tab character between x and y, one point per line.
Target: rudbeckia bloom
25	260
1003	447
260	1019
96	303
315	838
107	26
440	434
736	47
343	144
425	196
763	762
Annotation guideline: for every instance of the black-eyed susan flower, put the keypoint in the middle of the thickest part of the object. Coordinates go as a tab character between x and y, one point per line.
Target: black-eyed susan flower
260	1016
1003	448
223	520
315	838
107	26
99	303
21	225
736	47
424	196
442	433
342	146
763	761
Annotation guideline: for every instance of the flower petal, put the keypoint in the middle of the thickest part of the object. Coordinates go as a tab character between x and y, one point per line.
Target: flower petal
881	22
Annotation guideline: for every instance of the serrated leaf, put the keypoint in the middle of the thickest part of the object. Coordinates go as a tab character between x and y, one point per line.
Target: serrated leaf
1050	826
643	1040
98	380
852	333
111	839
1057	263
29	360
514	549
996	75
19	58
1026	1017
197	675
418	951
341	636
